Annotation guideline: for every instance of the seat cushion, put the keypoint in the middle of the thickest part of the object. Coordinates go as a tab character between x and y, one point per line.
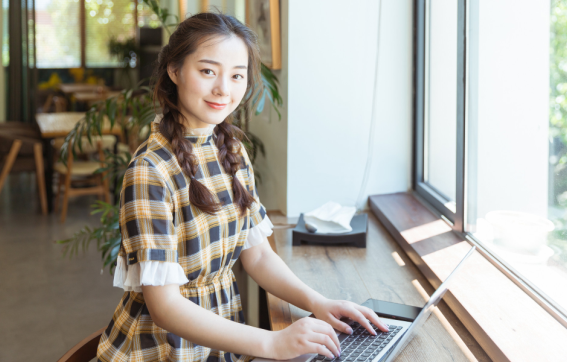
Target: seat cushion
79	168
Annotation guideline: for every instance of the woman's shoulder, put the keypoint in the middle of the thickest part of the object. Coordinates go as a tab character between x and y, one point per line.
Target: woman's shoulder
155	152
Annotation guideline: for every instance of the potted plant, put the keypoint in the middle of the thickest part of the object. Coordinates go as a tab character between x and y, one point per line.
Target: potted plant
127	54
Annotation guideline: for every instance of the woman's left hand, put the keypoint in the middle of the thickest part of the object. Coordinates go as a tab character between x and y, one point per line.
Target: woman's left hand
331	311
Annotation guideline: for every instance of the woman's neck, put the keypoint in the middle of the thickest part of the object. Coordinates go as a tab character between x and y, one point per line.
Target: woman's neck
192	122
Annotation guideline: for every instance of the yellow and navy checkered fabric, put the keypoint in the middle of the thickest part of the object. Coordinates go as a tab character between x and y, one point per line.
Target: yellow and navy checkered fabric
158	223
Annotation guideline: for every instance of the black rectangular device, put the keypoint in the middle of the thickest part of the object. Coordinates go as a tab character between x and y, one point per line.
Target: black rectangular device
391	310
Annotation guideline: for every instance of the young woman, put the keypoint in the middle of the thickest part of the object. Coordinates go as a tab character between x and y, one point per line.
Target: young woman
189	209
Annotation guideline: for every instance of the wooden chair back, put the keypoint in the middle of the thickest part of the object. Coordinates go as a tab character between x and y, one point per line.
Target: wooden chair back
85	350
21	150
66	175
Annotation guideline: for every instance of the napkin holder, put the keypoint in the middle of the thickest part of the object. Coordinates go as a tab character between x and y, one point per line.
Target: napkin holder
356	237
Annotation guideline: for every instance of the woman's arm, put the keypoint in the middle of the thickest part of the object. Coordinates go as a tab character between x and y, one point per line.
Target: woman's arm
176	314
272	274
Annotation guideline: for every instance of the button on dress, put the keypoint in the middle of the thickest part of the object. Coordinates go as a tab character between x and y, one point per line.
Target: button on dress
165	238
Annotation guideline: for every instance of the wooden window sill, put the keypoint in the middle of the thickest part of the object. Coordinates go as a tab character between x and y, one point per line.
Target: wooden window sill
506	322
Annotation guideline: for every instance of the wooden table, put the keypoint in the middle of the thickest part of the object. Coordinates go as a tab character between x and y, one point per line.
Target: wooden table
52	125
381	271
78	87
90	97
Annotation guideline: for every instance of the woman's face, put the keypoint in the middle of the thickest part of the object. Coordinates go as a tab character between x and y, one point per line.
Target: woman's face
212	81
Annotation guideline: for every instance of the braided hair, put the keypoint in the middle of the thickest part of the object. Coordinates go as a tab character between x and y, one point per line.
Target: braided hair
183	42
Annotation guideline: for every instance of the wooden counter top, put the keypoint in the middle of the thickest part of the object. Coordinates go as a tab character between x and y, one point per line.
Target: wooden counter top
381	271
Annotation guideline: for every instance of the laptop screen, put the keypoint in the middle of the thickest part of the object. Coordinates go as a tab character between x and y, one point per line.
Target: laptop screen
426	311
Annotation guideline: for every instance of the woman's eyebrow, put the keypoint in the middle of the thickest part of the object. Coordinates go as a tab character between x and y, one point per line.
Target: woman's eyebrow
218	63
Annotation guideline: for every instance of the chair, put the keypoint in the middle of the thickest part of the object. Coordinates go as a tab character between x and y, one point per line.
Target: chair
49	100
84	170
21	146
85	350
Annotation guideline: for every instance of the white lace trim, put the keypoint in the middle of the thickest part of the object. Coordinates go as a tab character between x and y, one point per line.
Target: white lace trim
132	277
259	233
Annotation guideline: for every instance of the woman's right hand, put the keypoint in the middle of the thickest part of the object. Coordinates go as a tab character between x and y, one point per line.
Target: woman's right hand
307	335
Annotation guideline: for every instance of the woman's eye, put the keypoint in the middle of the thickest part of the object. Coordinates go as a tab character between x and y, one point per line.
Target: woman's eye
207	70
239	75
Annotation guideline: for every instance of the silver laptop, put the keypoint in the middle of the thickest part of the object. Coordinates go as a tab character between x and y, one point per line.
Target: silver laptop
404	322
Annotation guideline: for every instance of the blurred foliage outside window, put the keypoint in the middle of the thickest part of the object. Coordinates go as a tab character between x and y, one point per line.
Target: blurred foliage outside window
58	30
558	122
105	20
58	33
5	34
146	17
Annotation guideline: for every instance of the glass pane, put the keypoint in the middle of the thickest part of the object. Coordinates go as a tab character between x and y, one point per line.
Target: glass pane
58	41
106	20
31	36
5	33
441	98
517	139
146	17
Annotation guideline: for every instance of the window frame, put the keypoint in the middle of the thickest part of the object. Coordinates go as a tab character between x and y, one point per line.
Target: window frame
434	200
425	190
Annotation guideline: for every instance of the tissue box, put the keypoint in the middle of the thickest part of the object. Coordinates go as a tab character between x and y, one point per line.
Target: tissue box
357	237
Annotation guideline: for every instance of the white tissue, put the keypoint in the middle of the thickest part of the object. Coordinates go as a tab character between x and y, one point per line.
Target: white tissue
331	218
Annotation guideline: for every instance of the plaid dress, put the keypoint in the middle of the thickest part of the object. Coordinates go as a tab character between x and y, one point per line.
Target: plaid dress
158	223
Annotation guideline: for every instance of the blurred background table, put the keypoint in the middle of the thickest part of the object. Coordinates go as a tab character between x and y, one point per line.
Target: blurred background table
91	97
78	87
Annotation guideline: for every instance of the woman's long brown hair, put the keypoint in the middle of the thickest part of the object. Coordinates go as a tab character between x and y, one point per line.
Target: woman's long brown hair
188	35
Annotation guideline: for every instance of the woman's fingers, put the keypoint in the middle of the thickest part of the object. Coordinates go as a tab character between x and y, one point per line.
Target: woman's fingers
339	325
319	348
327	341
357	315
373	317
326	329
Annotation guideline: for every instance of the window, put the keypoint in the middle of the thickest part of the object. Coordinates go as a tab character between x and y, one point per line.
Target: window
58	40
440	100
59	24
105	20
491	132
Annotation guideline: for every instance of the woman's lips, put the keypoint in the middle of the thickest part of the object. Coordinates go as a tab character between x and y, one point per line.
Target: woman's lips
216	105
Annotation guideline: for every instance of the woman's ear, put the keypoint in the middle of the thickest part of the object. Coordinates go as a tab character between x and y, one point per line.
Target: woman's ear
172	74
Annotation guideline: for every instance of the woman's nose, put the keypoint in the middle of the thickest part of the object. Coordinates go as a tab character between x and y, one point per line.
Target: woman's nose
221	87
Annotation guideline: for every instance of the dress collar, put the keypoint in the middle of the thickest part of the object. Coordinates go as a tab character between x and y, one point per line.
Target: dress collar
198	136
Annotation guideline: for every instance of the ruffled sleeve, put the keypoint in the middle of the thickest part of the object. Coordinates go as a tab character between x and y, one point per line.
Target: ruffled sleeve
259	233
132	277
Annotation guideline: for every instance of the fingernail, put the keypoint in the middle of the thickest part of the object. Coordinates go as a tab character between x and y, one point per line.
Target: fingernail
349	331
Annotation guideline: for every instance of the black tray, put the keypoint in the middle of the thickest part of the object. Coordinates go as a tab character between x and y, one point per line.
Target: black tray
357	237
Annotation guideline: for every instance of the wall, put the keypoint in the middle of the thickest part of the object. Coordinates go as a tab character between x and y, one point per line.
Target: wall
317	151
327	78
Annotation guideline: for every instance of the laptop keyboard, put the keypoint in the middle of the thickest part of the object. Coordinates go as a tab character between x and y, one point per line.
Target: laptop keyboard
361	345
